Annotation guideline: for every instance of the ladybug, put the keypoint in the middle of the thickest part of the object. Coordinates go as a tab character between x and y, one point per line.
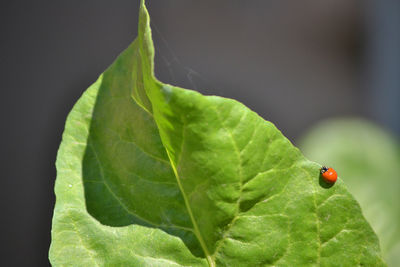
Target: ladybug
329	174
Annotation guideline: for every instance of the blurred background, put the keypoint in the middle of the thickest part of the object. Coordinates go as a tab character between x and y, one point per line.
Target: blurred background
299	64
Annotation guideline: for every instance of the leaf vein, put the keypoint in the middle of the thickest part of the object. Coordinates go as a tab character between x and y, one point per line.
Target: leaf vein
240	179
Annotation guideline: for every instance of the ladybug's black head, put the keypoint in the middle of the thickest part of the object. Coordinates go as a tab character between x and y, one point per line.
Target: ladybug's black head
324	169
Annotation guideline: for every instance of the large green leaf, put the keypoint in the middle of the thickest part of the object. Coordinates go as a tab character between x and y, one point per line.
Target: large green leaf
154	175
368	158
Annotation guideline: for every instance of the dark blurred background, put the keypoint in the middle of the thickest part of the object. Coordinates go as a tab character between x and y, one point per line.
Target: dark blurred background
293	62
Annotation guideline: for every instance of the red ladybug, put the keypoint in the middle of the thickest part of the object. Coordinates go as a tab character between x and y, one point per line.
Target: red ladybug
329	174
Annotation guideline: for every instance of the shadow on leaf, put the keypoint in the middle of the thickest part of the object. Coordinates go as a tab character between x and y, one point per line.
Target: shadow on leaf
126	173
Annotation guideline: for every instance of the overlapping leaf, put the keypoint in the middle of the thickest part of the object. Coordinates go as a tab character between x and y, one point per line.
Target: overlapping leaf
154	175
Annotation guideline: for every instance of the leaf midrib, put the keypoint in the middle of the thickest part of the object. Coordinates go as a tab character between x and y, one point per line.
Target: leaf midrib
196	230
197	233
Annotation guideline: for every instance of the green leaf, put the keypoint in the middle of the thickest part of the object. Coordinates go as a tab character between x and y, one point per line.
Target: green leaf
154	175
368	159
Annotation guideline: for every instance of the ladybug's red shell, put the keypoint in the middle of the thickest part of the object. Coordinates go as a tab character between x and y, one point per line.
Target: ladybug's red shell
329	174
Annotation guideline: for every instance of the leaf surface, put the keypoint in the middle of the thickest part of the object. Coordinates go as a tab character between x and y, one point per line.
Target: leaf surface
368	158
154	175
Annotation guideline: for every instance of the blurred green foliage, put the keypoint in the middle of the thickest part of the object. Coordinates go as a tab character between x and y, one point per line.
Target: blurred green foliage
367	158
